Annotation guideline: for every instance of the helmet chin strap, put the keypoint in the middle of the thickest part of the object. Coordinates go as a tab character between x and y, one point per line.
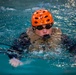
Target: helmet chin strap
45	37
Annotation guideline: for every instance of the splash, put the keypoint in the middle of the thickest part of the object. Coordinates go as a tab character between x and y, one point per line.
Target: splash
9	9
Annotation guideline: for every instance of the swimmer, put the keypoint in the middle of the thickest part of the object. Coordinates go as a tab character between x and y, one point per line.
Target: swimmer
40	36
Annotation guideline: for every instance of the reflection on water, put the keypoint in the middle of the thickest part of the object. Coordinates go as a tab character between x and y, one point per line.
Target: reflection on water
71	3
15	18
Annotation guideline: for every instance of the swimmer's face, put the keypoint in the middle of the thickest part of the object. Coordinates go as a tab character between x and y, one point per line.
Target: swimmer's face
43	30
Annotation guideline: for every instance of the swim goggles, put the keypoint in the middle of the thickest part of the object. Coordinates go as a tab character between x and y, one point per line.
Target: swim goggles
47	26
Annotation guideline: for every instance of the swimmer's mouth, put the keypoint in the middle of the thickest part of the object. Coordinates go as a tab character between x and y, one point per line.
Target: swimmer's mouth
45	37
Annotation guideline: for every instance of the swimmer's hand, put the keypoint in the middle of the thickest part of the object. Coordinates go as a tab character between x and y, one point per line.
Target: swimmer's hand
15	62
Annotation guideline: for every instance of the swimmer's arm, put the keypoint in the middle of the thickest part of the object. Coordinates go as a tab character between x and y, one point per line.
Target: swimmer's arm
19	46
72	49
68	43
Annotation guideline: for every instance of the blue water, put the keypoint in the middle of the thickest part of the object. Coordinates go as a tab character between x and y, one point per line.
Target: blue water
15	16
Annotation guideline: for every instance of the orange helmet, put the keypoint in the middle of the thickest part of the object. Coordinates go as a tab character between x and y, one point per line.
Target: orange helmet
41	17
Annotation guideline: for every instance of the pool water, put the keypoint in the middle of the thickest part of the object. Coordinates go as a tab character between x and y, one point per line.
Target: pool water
15	16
